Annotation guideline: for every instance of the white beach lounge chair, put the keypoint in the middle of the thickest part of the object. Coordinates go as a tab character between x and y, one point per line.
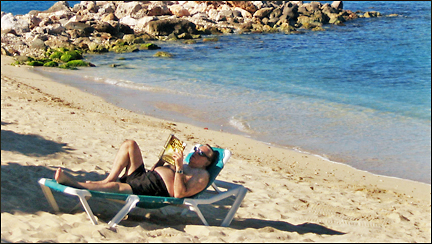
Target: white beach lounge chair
143	201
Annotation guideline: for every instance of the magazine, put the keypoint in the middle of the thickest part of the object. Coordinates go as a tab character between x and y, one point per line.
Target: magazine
172	145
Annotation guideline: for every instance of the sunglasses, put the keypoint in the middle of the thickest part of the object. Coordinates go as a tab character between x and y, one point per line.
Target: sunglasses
201	153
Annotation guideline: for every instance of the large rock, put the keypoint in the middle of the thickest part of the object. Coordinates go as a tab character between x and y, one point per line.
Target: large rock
158	9
129	21
337	5
110	16
245	5
308	21
245	14
313	6
124	29
327	9
14	24
58	6
105	27
108	8
57	41
38	44
127	9
34	21
262	13
56	29
165	27
79	26
179	10
141	23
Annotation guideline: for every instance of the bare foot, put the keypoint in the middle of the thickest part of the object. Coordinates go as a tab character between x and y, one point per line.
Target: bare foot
64	179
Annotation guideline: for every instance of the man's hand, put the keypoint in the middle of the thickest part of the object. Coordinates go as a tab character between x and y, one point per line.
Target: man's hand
178	158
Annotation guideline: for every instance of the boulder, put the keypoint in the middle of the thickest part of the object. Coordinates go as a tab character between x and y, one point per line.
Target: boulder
319	17
34	12
308	22
276	13
335	19
261	13
129	21
126	29
163	55
165	27
34	21
371	14
349	15
58	6
92	7
110	16
245	5
5	52
303	10
245	14
38	44
142	23
313	6
337	5
149	46
105	27
157	9
327	9
14	24
179	10
56	29
79	26
290	11
46	22
77	33
129	38
127	9
108	8
57	41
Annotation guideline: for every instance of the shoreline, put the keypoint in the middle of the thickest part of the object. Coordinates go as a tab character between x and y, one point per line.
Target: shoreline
91	130
278	147
52	74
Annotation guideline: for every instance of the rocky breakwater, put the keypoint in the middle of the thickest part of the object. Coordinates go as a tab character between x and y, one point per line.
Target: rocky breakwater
61	35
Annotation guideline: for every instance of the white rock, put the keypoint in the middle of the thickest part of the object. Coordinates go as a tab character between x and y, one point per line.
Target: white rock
128	21
10	22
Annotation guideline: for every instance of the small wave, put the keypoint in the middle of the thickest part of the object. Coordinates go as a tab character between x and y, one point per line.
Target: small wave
123	83
241	125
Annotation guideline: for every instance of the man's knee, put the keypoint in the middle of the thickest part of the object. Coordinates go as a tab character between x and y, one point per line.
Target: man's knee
130	144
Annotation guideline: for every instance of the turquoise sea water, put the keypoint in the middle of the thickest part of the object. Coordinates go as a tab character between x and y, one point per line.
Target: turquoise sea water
359	94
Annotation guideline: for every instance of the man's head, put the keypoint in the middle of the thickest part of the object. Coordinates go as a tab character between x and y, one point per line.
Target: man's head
202	157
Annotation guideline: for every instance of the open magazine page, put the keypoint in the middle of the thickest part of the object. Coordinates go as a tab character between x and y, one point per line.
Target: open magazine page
172	145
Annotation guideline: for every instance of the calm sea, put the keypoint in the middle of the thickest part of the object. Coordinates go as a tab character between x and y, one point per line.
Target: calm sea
358	94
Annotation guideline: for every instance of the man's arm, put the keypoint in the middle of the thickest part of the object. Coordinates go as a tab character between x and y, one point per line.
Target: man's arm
194	185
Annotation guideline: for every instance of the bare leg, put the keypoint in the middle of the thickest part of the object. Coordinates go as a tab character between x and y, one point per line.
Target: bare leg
129	157
116	187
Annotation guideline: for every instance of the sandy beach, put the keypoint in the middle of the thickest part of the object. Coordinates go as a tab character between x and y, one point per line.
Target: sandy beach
292	197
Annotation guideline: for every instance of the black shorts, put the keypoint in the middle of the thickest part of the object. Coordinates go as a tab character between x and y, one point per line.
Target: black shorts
145	182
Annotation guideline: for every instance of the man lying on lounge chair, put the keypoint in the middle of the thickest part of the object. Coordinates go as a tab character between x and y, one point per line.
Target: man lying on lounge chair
181	181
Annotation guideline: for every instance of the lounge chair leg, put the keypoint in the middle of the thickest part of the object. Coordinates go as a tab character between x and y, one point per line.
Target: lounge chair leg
78	205
87	208
131	203
239	198
216	188
50	197
195	208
